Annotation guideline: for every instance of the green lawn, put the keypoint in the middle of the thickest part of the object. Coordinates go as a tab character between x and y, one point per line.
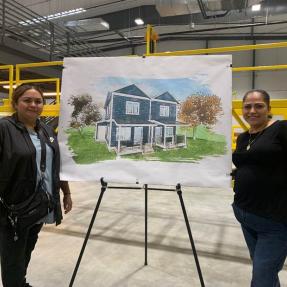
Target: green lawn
195	150
86	150
201	132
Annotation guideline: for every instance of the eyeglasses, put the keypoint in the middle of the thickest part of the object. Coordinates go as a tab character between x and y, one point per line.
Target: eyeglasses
256	106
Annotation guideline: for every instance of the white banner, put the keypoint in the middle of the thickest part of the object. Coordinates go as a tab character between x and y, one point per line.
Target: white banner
154	120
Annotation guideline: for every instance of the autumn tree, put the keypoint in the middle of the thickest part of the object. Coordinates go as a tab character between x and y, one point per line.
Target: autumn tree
85	111
199	109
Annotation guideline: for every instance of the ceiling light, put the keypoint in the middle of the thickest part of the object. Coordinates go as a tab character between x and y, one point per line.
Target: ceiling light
53	16
105	24
97	24
8	86
139	21
256	7
50	93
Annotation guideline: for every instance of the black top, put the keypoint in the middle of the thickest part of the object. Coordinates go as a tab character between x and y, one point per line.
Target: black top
18	169
261	175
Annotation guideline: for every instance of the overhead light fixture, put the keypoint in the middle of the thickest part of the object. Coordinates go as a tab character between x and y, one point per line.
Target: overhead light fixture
105	24
8	86
51	93
256	7
53	16
97	24
139	21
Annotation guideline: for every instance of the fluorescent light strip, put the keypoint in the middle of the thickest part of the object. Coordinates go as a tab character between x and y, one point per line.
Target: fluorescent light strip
8	86
139	21
256	7
105	24
50	94
53	16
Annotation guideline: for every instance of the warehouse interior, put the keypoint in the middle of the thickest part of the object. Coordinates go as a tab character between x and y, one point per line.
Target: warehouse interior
40	31
28	36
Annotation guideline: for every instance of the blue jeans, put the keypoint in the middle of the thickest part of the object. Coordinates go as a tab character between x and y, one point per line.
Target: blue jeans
267	244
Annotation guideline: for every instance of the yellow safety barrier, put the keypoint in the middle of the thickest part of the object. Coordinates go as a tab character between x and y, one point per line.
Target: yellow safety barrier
49	110
151	39
278	106
221	49
10	69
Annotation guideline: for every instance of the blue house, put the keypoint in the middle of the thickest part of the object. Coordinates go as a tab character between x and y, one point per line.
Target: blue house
134	122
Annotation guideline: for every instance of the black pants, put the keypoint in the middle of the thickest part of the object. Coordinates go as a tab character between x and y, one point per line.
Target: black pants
16	255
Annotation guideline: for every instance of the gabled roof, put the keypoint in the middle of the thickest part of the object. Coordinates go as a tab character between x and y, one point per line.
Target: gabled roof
132	90
166	97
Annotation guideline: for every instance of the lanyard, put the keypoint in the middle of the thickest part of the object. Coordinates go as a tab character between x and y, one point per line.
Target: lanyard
43	152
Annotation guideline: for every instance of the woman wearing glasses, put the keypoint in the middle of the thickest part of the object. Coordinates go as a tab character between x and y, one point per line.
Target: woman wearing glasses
23	137
260	200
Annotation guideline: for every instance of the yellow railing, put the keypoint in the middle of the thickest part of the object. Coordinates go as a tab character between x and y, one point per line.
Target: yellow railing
49	110
10	69
221	49
279	107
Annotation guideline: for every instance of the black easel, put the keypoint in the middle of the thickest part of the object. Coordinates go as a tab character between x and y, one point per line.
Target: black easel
146	188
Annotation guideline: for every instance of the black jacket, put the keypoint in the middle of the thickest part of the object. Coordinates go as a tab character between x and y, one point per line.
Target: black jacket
18	168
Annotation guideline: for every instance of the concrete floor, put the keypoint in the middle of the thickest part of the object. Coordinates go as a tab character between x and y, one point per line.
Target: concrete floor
114	256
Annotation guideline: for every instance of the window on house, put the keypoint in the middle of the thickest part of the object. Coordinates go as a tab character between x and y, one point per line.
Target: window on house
169	132
132	108
124	133
164	111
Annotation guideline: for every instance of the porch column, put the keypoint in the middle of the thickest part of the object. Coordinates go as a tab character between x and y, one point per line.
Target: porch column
119	140
164	139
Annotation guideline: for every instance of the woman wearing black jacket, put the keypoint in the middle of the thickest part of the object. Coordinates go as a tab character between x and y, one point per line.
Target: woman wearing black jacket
260	200
20	156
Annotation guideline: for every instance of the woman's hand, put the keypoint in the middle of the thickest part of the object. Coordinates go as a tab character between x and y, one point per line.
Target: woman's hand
67	203
67	200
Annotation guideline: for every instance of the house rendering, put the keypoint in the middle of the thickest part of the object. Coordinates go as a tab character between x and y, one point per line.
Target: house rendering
134	122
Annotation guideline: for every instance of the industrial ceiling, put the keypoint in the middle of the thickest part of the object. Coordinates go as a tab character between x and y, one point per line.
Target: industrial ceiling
52	29
48	30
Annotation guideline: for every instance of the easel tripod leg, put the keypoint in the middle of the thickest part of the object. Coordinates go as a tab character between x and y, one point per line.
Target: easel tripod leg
179	192
146	217
103	189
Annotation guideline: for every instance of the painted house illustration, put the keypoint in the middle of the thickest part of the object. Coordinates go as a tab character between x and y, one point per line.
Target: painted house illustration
135	122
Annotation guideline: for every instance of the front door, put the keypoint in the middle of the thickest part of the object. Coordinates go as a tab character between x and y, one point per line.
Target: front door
138	135
158	135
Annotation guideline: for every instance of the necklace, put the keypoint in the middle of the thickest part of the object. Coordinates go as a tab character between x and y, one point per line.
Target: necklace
252	140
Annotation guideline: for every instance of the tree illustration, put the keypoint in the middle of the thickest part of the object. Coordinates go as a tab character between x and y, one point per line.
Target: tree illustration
85	111
200	109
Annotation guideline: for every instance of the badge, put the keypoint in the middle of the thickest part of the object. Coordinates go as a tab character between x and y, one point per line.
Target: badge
51	139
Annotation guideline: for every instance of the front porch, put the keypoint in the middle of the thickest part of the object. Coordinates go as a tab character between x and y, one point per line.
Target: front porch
177	141
122	149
